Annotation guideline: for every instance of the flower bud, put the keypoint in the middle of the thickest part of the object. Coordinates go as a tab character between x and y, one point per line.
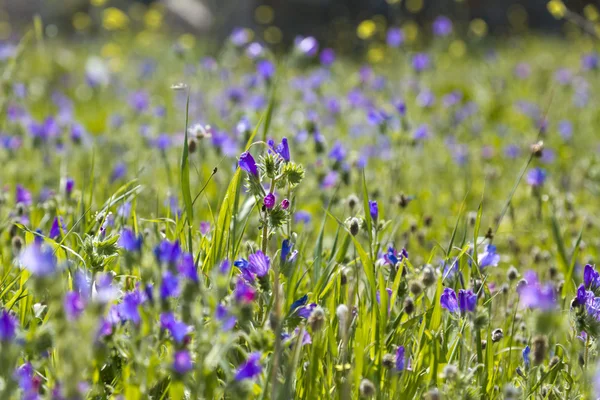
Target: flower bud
367	389
497	335
316	320
540	348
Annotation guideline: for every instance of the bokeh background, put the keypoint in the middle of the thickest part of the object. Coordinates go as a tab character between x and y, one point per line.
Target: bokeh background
279	21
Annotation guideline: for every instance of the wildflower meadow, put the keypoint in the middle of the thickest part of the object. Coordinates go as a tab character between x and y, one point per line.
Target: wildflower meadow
189	219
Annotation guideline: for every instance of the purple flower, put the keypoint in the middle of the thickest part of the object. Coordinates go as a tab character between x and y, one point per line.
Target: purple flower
187	267
168	252
327	57
393	257
8	326
243	292
591	278
536	177
269	201
302	216
139	101
421	62
58	227
395	37
162	142
239	37
74	304
178	329
489	258
337	152
182	362
449	301
129	241
69	185
23	196
590	61
169	286
400	106
304	312
421	133
248	164
38	260
442	26
565	129
266	69
128	309
283	149
467	300
28	382
400	358
259	263
227	320
285	204
250	369
307	45
118	172
373	210
330	180
535	295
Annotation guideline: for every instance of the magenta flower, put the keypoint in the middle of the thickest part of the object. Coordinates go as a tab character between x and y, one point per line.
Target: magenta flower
269	201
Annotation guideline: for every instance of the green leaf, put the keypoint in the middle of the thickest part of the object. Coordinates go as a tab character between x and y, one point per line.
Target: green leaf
185	177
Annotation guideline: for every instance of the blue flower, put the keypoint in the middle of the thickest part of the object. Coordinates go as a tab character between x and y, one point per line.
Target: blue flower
299	303
449	301
128	310
248	164
169	286
23	196
526	359
305	311
250	369
286	248
283	149
400	358
393	257
74	305
373	210
129	241
535	295
244	267
187	267
178	329
8	326
489	258
467	300
58	227
168	252
395	37
302	216
442	26
266	69
536	177
591	278
227	320
337	152
39	260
